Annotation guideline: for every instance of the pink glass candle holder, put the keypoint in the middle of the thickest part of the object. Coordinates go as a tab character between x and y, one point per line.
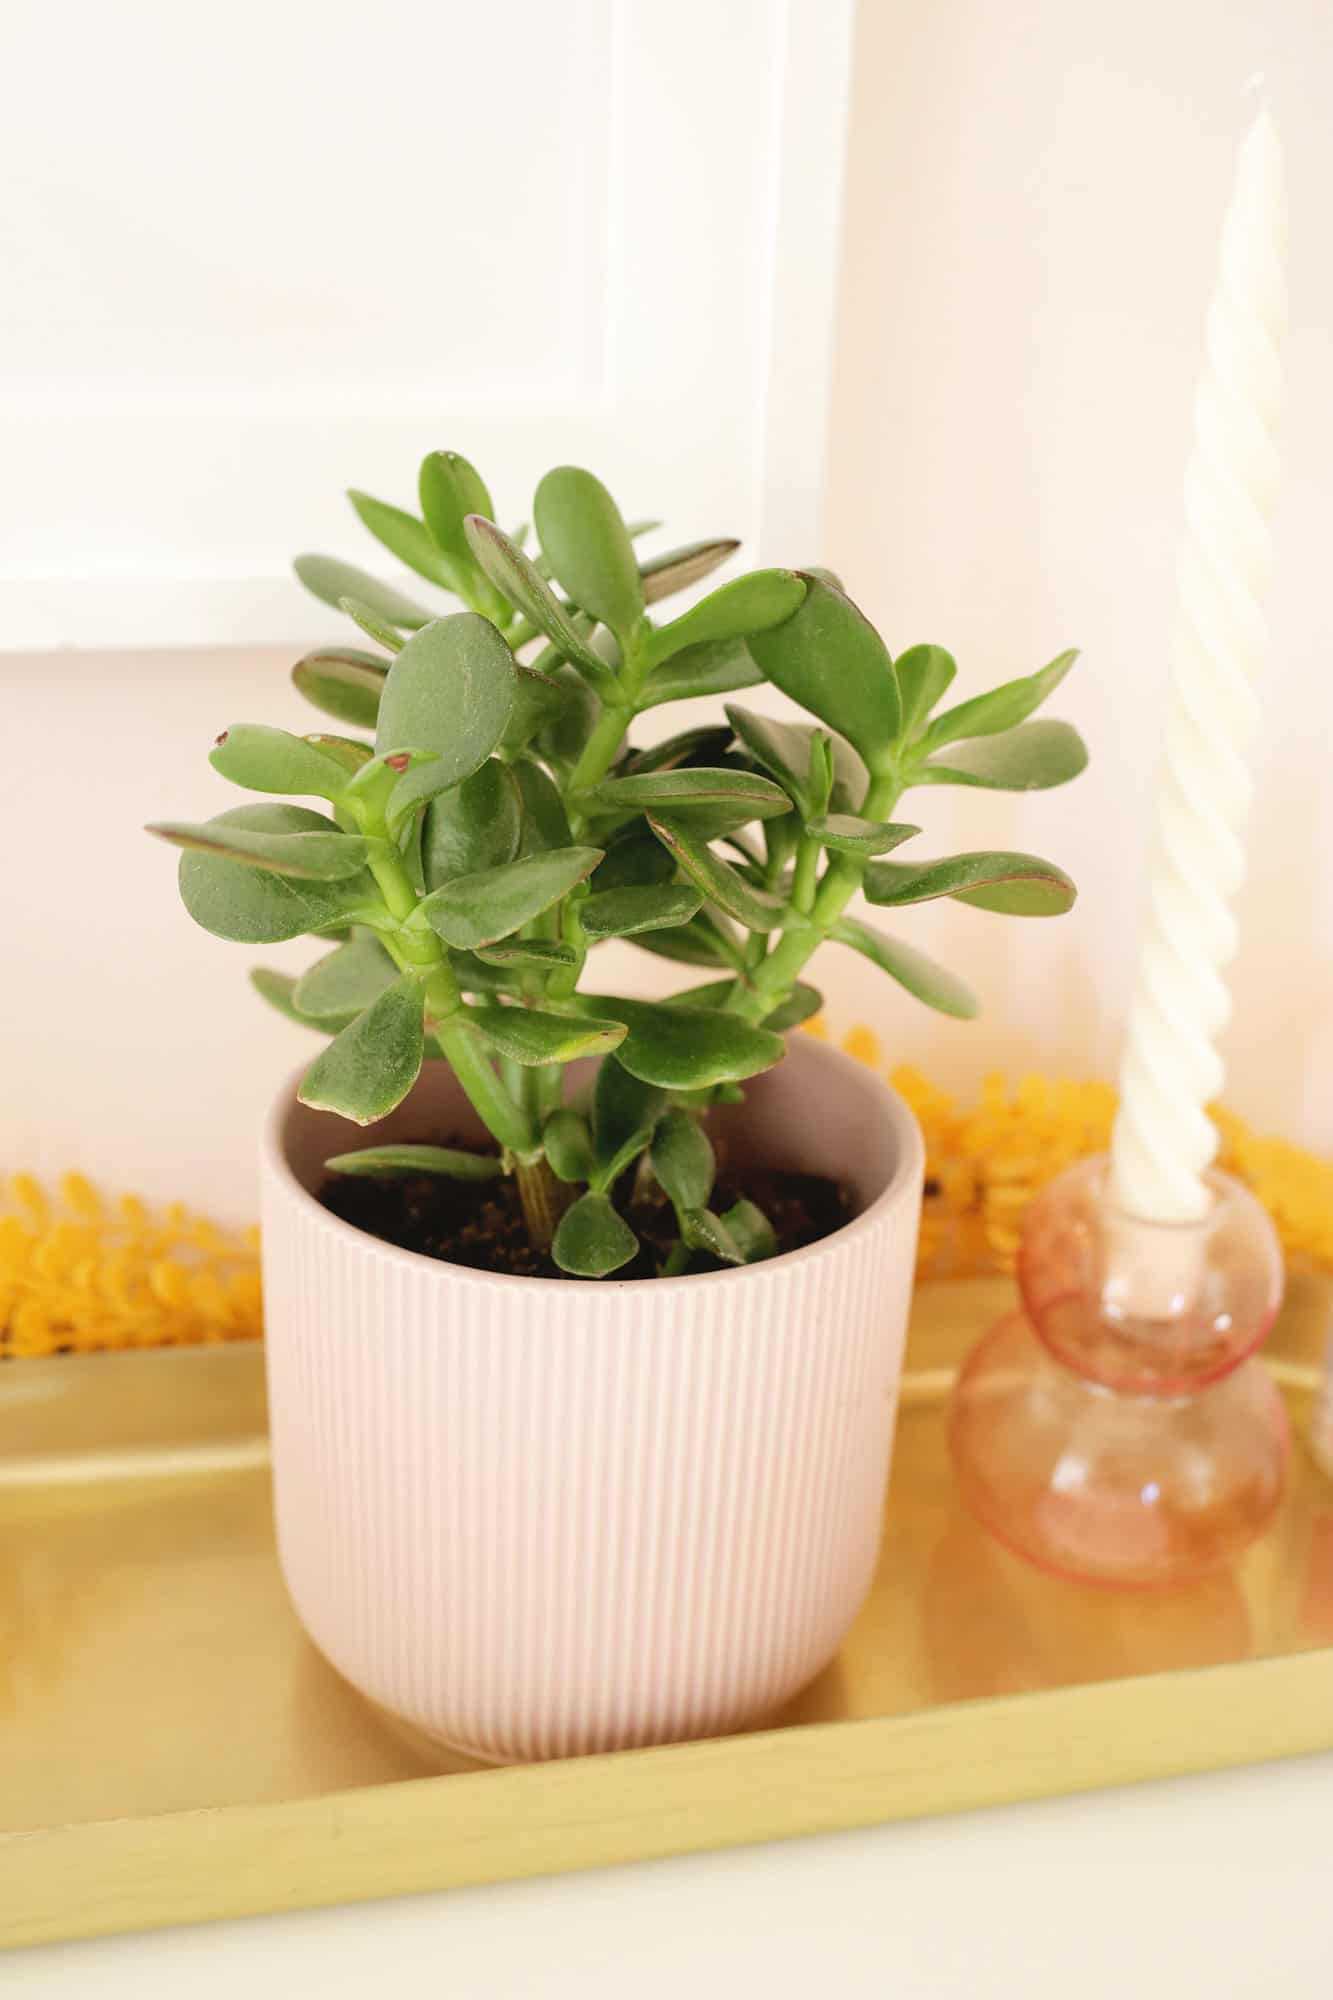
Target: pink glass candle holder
1118	1429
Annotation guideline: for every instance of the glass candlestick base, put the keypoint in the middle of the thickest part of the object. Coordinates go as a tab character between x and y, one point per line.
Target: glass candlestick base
1117	1430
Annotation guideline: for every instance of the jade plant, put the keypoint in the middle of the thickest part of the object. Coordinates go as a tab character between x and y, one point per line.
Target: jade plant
488	821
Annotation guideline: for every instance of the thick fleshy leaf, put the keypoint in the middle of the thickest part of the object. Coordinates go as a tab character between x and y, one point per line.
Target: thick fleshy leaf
699	942
382	1162
593	1239
476	975
545	823
717	668
527	590
700	1229
686	1048
347	980
450	488
539	702
622	912
533	1038
722	798
786	748
830	659
254	906
405	537
271	760
1016	885
921	976
330	580
372	624
747	605
1002	708
477	909
1030	758
722	884
561	739
347	751
624	1111
678	568
476	825
567	1144
535	954
450	690
370	1067
588	547
846	833
635	859
751	1231
279	989
924	672
683	1160
343	683
310	856
802	1002
703	746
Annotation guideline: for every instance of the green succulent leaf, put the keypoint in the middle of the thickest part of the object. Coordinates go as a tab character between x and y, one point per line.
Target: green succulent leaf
702	941
829	658
801	1003
347	980
331	581
449	691
562	736
624	1111
346	751
1002	708
450	488
720	798
382	1162
661	575
311	856
718	667
635	859
475	826
533	954
249	905
344	683
567	1143
527	590
1016	885
593	1239
545	822
478	909
686	1048
588	547
279	989
271	760
786	749
751	1232
405	537
702	746
700	1229
623	912
476	975
370	1067
747	605
683	1160
540	702
1031	758
912	969
532	1038
755	909
846	833
924	672
372	624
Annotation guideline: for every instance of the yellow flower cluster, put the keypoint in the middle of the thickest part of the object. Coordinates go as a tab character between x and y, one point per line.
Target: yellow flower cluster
78	1273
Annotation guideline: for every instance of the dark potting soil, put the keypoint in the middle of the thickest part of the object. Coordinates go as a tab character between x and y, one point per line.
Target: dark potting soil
480	1223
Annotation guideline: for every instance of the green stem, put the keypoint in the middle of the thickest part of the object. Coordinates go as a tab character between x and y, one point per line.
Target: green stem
599	751
544	1200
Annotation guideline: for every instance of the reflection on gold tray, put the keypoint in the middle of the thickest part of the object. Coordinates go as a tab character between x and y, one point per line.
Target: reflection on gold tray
173	1749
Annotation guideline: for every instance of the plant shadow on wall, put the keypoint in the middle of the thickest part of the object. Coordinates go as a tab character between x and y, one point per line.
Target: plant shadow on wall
489	822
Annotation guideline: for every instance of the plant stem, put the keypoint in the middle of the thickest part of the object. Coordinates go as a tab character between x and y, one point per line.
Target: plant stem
544	1200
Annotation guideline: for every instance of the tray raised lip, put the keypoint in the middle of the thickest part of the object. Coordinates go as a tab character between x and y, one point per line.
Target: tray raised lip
464	1830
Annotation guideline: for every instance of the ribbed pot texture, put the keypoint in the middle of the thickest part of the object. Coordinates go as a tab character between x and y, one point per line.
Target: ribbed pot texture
533	1518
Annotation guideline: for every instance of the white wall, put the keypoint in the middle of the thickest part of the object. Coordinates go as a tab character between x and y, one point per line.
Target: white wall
1034	197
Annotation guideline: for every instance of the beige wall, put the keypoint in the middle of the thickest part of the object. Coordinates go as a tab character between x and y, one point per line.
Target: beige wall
1034	196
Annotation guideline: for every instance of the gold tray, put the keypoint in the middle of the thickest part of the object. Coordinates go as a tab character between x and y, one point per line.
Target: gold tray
173	1749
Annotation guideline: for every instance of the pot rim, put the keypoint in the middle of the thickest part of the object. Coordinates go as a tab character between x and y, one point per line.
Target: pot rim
908	1171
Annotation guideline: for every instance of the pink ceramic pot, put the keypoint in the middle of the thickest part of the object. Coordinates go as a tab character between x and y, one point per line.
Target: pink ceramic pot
534	1518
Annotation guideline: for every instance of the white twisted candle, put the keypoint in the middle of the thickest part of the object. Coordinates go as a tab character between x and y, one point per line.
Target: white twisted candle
1163	1139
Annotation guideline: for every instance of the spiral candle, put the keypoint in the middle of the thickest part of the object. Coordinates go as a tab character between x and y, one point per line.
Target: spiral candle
1163	1139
